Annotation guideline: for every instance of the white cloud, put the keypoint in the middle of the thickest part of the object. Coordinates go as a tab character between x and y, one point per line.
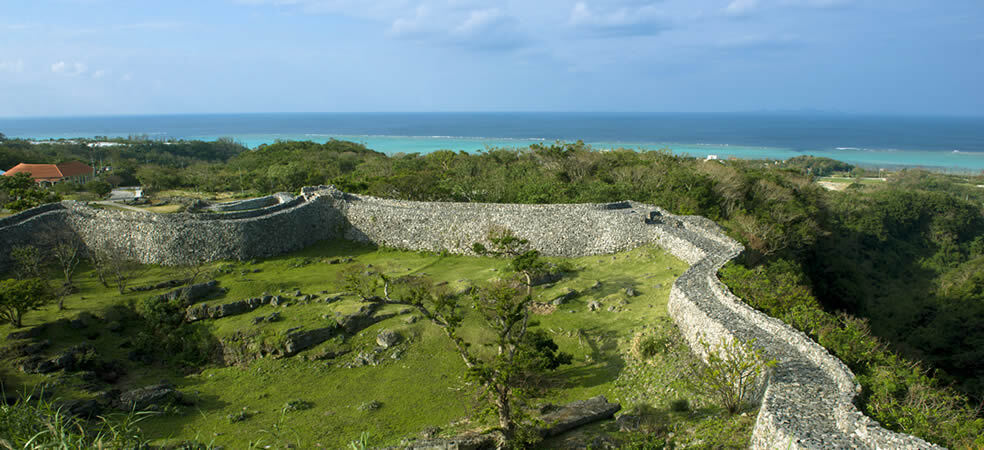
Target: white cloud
740	7
744	7
453	24
100	73
623	21
411	26
12	66
73	69
479	20
126	77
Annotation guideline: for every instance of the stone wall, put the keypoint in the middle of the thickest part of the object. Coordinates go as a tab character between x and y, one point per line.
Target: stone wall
806	401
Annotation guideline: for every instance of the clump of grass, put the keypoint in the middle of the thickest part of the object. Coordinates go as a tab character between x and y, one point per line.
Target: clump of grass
680	405
239	416
38	423
297	405
370	406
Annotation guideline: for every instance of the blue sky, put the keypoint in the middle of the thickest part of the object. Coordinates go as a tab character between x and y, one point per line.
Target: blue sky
96	57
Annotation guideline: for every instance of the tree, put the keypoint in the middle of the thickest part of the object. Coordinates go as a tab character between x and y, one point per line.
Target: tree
505	242
507	375
113	264
66	249
28	261
23	193
17	297
98	187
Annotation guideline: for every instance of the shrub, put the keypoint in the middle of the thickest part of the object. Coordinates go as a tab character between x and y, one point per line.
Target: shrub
732	372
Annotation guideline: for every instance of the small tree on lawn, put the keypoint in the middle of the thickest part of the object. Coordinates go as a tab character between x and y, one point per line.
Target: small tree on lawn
507	374
28	261
66	250
113	264
525	260
17	297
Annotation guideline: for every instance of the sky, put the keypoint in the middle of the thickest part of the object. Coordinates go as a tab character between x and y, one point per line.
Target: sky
120	57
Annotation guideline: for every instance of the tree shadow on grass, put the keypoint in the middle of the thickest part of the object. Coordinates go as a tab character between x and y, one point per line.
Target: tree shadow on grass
605	363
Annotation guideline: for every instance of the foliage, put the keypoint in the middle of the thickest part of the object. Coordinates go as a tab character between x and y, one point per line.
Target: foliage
98	187
17	297
28	261
509	372
114	265
818	166
733	370
38	423
898	393
166	336
21	192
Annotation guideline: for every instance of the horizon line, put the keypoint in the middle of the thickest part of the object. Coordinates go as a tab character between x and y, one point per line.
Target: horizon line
517	112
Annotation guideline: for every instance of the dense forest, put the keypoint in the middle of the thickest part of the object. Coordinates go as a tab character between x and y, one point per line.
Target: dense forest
888	276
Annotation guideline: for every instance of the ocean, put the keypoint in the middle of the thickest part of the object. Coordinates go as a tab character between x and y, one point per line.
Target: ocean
943	143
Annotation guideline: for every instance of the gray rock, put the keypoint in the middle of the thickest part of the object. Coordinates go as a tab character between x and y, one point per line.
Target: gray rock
147	397
190	294
630	292
466	441
593	305
297	341
388	338
565	297
579	413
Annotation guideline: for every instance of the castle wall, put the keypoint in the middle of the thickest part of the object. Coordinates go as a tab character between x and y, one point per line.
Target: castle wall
805	402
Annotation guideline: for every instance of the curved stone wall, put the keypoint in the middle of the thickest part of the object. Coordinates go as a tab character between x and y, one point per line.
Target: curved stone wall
806	402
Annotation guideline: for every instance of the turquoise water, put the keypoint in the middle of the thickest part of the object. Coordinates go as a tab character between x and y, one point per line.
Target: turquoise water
957	161
945	143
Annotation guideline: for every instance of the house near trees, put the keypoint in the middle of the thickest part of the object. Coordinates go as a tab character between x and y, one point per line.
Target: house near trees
51	174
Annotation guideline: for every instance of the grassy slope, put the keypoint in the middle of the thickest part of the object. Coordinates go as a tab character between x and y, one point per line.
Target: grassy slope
421	389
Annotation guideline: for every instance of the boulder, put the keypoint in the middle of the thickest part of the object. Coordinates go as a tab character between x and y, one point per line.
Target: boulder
630	292
24	348
190	294
199	312
593	305
388	338
68	360
466	441
565	297
301	340
578	413
148	397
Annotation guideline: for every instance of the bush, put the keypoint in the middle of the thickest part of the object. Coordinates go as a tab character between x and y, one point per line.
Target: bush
167	335
65	188
98	187
732	372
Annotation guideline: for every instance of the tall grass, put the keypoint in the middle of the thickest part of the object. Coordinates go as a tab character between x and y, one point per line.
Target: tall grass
37	423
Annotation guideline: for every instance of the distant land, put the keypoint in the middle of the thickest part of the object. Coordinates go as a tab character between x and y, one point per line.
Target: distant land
942	143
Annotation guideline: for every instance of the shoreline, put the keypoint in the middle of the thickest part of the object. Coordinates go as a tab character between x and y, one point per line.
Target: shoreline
953	161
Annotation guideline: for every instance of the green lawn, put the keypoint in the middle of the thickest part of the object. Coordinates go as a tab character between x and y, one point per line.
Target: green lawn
422	387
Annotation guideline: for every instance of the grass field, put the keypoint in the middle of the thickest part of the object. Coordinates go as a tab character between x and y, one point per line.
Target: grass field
418	384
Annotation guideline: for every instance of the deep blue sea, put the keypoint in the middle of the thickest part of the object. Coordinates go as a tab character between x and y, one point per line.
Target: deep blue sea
875	141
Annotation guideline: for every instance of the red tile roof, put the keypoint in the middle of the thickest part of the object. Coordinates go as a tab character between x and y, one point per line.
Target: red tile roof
51	172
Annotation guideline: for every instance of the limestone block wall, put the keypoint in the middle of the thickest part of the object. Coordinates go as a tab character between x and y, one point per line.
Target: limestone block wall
805	402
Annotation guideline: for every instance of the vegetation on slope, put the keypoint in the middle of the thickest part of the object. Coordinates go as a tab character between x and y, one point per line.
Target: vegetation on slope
332	393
